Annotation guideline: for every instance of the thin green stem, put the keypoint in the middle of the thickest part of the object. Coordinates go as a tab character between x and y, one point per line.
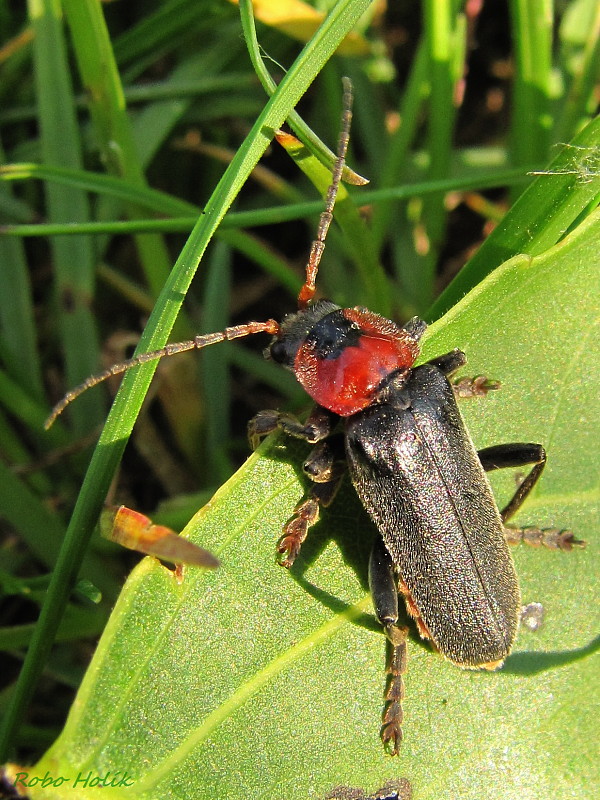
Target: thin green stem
163	203
531	117
444	36
73	257
100	76
396	154
306	135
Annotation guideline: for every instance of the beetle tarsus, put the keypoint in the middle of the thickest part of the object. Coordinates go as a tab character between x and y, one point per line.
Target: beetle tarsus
391	729
450	362
296	531
552	538
478	386
318	425
326	476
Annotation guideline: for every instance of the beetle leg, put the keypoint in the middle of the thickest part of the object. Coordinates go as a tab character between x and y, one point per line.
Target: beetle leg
474	387
518	455
318	426
384	590
326	469
395	789
449	362
515	455
552	538
463	387
414	612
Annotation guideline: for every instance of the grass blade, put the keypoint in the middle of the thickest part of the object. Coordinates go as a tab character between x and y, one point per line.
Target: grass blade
135	385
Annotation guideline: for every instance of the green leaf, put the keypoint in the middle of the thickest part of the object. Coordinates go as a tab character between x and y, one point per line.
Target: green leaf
134	387
251	681
551	205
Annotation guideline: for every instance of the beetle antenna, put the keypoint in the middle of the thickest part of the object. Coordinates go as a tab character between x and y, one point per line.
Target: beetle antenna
318	246
197	343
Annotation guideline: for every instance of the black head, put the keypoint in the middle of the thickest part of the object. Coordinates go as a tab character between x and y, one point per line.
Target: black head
294	331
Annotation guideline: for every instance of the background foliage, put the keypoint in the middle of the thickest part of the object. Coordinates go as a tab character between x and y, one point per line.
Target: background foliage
115	137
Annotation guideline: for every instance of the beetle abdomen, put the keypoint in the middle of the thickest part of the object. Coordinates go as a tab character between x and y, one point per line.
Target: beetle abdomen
417	473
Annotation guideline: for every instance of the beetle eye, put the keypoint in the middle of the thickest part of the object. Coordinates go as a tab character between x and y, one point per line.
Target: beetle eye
278	351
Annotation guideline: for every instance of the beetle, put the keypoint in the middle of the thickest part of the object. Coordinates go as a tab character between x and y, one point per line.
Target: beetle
441	540
399	789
